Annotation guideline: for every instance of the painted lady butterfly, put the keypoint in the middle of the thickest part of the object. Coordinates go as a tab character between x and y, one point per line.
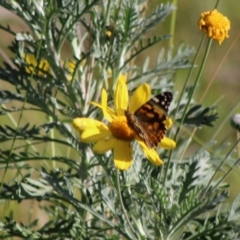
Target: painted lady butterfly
148	120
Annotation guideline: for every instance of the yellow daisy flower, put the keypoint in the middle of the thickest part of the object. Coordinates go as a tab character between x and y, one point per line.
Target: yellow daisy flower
118	134
43	64
215	25
33	64
70	67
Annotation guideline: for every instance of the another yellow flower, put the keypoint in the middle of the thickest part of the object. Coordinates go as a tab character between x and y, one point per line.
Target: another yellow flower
42	67
70	67
118	134
215	25
109	31
35	67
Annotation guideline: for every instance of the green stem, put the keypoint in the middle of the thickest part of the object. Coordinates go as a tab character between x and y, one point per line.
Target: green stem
172	25
224	121
218	68
197	78
52	144
217	3
238	145
219	167
19	121
196	81
29	143
185	86
122	205
179	101
226	174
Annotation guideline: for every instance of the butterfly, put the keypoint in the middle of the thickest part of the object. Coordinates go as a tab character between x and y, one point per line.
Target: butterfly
148	120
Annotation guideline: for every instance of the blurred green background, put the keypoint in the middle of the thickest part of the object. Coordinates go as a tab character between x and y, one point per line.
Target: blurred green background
225	90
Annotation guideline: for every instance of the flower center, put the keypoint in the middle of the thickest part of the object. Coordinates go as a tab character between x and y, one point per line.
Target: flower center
121	130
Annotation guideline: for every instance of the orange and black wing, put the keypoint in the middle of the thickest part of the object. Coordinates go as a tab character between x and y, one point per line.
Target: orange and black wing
148	120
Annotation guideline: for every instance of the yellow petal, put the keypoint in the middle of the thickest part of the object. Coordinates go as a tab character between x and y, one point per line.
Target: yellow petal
121	97
70	67
106	115
96	104
109	111
122	77
82	124
44	65
94	135
168	123
29	58
141	95
167	143
104	145
151	154
122	155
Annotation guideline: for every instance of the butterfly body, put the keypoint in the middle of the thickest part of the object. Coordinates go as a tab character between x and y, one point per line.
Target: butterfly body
148	121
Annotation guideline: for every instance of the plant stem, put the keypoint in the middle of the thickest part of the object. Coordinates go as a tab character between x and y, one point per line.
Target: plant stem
122	205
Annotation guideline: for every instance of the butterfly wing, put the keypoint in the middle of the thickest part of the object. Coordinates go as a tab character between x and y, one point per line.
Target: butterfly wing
148	120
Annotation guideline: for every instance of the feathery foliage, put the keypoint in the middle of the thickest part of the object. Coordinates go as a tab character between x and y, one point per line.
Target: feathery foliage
56	187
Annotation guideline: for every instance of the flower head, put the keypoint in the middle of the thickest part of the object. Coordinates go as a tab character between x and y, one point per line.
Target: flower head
117	135
70	67
215	25
42	66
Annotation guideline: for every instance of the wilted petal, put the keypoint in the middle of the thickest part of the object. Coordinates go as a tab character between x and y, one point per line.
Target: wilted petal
141	95
167	143
122	155
121	97
104	145
151	154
